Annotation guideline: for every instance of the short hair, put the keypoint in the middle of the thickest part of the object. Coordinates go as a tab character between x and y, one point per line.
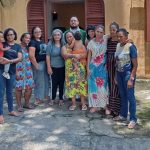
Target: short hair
124	31
6	33
114	24
77	35
89	27
23	35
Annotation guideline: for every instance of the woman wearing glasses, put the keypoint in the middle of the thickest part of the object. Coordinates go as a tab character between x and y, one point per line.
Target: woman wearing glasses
13	56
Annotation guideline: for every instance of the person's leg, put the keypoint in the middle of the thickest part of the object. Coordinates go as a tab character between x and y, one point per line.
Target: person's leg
9	94
18	99
2	92
27	96
73	106
132	104
61	84
122	84
55	80
84	107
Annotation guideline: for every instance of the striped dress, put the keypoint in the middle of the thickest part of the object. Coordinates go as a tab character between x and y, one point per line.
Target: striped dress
114	98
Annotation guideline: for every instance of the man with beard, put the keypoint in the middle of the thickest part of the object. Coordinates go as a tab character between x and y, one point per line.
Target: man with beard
74	27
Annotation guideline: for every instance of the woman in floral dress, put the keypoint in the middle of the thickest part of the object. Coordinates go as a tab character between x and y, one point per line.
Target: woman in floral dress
76	83
97	72
24	75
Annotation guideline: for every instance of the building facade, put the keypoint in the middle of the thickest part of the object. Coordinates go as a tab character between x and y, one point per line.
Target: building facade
48	14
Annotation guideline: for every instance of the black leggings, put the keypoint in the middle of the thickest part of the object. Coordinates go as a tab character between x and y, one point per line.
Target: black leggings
58	78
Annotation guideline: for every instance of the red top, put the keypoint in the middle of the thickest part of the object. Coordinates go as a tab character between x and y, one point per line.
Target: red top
1	52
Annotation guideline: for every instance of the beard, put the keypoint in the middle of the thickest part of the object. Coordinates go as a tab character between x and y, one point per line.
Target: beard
74	27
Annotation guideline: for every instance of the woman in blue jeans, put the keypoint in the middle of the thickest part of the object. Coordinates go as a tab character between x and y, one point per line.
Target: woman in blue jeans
126	67
13	56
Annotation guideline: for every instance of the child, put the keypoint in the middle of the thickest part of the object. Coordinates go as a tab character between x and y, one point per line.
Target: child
6	66
78	48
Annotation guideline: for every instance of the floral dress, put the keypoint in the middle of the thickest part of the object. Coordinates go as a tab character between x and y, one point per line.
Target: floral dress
98	78
76	83
24	73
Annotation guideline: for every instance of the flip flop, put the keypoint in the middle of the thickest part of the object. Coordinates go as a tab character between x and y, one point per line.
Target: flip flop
13	113
131	125
20	109
2	120
61	103
38	102
28	107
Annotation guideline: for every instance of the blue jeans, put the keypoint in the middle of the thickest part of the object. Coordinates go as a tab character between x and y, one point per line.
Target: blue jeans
7	84
127	96
41	80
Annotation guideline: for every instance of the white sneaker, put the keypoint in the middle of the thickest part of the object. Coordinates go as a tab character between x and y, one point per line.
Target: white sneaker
6	75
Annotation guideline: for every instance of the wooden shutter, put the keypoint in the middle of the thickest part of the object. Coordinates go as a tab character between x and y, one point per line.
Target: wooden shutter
37	16
94	12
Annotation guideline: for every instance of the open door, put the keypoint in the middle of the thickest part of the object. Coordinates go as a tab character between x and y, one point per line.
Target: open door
36	16
94	12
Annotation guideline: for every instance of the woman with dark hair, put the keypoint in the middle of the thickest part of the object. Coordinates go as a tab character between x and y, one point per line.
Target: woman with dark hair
97	72
90	33
126	67
24	75
13	55
37	55
76	83
56	65
114	98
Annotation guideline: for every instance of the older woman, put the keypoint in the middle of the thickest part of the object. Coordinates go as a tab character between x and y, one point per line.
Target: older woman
75	80
56	65
24	75
114	97
37	54
126	67
13	56
97	72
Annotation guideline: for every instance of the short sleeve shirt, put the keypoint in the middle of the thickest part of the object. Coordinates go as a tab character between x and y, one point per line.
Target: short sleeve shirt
12	53
40	49
54	52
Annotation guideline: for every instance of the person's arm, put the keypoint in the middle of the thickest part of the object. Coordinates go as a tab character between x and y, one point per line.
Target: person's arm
64	53
88	62
49	69
18	59
4	49
32	57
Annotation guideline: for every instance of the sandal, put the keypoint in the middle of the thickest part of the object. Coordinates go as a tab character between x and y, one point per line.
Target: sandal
93	110
13	113
119	118
72	107
1	119
20	109
38	102
28	107
131	125
51	103
84	107
61	103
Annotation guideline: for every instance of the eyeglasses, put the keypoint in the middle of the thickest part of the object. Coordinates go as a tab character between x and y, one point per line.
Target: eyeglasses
38	32
10	34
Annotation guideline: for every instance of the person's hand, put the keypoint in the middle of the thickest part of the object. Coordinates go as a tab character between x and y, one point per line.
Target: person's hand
7	48
130	83
77	56
49	70
4	61
17	76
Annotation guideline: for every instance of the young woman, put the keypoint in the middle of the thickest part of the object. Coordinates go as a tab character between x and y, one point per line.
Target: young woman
13	56
24	75
97	72
56	65
37	55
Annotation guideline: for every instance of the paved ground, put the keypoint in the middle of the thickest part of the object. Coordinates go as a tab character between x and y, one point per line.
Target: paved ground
56	128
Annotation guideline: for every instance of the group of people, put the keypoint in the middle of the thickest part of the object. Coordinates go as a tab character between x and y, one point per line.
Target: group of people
86	64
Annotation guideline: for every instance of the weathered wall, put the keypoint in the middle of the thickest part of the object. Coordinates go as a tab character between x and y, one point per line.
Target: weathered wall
14	16
130	15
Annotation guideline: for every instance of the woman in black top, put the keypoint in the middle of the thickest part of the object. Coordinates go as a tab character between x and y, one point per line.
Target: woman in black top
13	56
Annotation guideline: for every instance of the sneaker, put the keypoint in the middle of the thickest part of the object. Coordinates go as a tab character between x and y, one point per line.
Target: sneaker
6	75
131	124
119	118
